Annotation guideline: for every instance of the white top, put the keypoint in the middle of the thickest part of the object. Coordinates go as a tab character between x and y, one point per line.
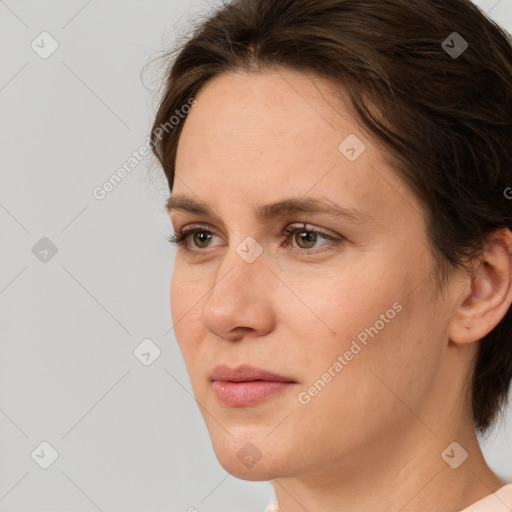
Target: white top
500	501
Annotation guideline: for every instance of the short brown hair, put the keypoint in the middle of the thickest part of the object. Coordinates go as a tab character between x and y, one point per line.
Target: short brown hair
444	119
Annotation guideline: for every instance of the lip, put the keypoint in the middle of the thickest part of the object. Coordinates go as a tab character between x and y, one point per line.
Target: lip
245	373
246	385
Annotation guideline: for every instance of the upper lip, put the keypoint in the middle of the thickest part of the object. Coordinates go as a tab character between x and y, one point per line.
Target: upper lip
245	373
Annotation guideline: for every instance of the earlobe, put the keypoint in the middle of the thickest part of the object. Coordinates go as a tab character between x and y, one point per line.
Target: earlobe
488	294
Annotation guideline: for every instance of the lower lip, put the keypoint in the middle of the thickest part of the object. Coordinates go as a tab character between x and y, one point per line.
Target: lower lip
238	394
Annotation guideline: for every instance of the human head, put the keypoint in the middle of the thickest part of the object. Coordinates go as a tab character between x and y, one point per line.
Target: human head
443	124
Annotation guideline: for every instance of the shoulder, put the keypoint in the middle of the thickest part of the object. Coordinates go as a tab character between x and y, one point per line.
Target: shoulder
500	501
272	507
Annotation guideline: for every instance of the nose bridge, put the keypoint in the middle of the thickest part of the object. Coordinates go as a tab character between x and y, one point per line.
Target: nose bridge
242	267
239	297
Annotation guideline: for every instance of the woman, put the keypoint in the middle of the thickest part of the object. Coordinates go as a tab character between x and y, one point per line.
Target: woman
340	174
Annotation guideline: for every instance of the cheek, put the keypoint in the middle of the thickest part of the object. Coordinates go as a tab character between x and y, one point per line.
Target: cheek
357	322
354	384
335	307
185	305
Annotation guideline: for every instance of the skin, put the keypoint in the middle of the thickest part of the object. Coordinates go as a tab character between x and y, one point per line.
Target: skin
383	422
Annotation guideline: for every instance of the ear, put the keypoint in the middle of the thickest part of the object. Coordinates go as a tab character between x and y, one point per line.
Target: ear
487	291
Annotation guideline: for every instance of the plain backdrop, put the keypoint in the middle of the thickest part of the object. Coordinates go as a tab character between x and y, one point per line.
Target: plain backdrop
84	281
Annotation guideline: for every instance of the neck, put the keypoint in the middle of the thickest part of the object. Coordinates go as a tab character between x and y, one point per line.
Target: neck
408	475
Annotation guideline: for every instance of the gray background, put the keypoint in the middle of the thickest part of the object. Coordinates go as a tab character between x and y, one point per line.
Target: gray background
129	437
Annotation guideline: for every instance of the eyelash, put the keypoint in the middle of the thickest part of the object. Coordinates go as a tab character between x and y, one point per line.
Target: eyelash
180	238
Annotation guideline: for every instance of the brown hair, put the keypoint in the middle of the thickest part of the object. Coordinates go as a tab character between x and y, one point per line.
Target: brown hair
444	119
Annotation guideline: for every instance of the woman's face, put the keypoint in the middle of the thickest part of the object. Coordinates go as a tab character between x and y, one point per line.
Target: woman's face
354	321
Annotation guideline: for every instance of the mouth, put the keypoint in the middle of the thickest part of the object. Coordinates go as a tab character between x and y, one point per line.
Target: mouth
246	385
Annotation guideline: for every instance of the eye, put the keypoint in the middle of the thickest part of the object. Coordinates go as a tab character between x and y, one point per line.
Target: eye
196	238
306	238
199	234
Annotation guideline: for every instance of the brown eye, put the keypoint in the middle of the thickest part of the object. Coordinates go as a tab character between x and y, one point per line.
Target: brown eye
192	239
308	238
300	239
201	238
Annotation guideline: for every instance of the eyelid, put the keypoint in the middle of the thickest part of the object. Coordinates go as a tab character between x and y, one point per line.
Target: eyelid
306	226
182	237
311	227
191	228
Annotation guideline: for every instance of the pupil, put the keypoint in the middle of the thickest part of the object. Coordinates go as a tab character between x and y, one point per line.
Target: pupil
203	238
308	238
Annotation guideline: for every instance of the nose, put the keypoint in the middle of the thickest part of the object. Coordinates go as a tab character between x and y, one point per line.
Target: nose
240	298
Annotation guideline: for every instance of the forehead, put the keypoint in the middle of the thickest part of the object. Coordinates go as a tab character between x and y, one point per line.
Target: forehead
279	133
248	116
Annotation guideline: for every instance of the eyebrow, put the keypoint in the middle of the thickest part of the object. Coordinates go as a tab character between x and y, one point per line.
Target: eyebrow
269	211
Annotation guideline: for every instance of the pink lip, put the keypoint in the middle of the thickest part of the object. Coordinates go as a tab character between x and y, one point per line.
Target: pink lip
246	385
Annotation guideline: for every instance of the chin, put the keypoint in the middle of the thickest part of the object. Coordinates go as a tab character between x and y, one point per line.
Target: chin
247	459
